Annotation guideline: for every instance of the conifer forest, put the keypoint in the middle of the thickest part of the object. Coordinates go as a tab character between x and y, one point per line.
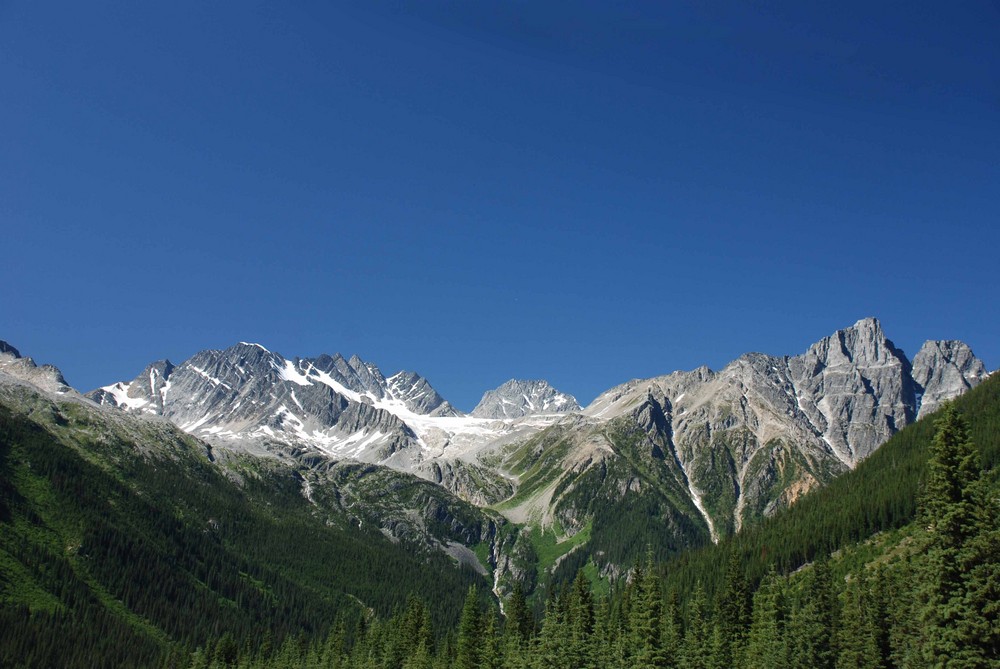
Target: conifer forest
895	564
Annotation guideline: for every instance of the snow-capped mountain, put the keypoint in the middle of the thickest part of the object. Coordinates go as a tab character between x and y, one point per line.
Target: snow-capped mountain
690	456
344	407
250	398
517	398
740	442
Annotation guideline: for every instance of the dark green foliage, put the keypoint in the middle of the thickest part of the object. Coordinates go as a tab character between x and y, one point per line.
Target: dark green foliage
958	570
856	580
114	557
879	495
812	629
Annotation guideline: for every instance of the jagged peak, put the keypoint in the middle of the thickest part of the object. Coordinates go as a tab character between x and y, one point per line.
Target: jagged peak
524	397
865	341
8	349
867	323
252	344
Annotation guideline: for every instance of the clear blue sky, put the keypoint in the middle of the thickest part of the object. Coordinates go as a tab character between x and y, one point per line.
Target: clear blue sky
485	190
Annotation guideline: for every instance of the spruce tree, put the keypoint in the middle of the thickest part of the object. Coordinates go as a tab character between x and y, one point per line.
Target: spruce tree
553	640
517	617
647	622
696	652
811	632
468	642
734	612
957	563
766	647
671	636
858	643
580	617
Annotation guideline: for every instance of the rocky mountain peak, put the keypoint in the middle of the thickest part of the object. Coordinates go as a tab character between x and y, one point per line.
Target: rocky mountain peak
943	370
517	398
45	377
418	395
7	349
354	373
863	344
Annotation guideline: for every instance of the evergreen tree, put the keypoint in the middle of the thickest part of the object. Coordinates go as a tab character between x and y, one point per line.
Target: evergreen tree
226	650
333	649
858	642
811	633
981	566
580	618
490	656
467	643
952	513
671	636
553	640
696	653
518	622
766	642
734	612
647	612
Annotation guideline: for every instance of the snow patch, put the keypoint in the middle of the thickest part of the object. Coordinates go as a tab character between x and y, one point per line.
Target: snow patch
208	377
290	373
120	392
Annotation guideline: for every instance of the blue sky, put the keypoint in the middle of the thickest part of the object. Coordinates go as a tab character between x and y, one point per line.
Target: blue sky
485	190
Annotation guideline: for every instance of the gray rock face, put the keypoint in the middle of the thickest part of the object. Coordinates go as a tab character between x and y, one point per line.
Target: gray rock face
45	377
516	399
756	435
7	349
943	370
144	393
418	395
246	392
855	389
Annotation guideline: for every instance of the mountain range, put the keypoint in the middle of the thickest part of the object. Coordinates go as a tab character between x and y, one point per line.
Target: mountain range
540	483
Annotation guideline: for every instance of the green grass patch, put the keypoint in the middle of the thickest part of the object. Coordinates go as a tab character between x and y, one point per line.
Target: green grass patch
482	551
549	548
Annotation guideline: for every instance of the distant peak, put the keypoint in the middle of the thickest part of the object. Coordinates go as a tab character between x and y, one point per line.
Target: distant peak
524	397
10	350
869	324
252	344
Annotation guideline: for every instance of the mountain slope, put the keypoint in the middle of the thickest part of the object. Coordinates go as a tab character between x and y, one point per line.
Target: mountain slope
516	398
756	435
880	495
126	540
689	457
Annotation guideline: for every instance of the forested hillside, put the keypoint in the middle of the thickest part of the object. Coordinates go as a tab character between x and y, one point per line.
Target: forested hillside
896	565
122	553
141	552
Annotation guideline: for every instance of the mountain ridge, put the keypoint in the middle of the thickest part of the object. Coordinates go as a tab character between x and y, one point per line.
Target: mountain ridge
721	448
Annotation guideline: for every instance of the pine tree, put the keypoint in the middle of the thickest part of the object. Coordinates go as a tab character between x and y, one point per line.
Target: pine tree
858	642
580	618
981	566
671	637
647	612
734	612
696	652
766	642
518	622
333	649
467	643
490	656
553	640
812	628
951	586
